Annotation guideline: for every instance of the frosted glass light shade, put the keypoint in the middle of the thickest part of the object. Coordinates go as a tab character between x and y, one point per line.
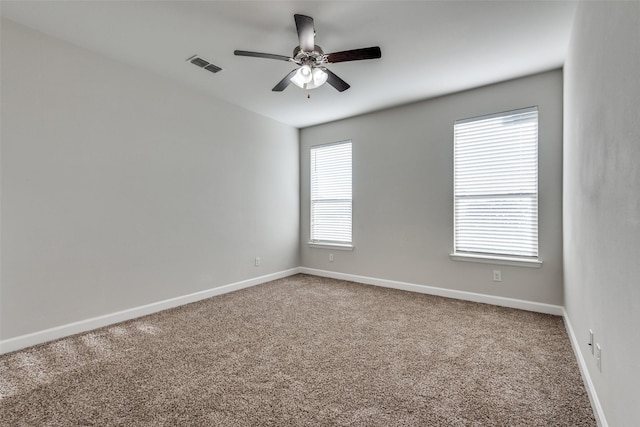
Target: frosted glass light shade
319	77
308	78
302	76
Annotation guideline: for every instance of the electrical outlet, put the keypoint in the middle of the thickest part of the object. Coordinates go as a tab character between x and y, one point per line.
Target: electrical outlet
497	276
330	257
599	357
591	340
257	261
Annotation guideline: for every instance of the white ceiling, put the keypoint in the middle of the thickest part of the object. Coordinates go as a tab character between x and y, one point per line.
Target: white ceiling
429	48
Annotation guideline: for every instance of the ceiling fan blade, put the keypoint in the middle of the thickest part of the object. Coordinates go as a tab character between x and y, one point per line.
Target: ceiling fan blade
261	55
336	81
306	32
355	55
282	85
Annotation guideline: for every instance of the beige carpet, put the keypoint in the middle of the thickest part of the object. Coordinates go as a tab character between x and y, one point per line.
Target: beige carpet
305	351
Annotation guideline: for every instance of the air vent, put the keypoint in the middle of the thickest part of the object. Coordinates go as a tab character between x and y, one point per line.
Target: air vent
212	68
196	60
199	62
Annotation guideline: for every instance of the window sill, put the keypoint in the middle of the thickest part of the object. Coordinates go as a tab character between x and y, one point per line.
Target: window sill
336	246
500	260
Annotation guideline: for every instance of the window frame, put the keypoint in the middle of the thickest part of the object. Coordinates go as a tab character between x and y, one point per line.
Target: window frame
327	243
487	256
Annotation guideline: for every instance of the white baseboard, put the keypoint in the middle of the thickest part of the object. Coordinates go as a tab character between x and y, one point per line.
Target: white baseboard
586	377
443	292
40	337
23	341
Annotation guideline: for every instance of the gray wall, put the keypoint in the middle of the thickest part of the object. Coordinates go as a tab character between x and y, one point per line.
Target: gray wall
602	199
403	186
120	188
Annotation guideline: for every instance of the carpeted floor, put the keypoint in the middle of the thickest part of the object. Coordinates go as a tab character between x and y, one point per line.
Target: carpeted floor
305	351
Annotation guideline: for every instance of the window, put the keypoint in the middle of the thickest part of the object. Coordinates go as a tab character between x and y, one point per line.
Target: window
331	194
496	185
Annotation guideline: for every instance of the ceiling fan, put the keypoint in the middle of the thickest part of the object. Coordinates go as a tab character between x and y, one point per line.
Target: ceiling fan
311	60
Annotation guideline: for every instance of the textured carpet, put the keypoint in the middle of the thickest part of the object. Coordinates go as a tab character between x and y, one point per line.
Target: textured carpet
305	351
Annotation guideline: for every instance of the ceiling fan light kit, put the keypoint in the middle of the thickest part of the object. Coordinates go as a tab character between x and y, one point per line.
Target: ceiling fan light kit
308	78
311	60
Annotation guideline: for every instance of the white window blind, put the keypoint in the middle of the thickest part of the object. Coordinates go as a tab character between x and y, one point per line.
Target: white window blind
331	193
496	184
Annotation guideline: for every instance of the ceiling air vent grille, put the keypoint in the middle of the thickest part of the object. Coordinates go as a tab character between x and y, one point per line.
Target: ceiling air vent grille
196	60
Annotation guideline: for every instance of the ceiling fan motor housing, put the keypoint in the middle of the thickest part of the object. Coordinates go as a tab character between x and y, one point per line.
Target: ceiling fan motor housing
315	58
